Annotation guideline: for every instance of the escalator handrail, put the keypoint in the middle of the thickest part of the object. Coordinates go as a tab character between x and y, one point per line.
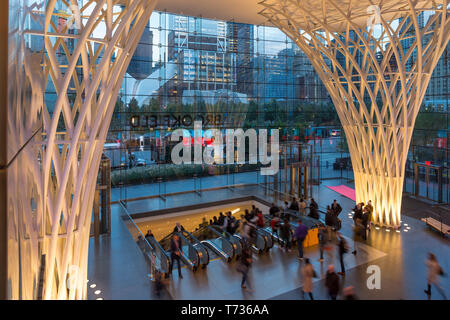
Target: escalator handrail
220	235
263	233
218	251
188	260
157	246
196	241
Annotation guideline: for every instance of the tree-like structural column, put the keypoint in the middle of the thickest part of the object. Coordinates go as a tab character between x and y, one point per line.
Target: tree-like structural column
75	76
375	58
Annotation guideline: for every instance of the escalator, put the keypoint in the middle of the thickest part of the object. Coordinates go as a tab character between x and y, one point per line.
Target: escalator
306	220
191	256
262	243
218	242
158	254
202	252
293	217
274	236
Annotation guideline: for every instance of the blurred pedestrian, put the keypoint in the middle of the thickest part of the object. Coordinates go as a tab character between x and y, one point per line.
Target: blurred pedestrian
322	235
342	249
175	254
300	234
332	282
244	267
275	226
308	273
302	207
434	272
285	233
349	293
369	209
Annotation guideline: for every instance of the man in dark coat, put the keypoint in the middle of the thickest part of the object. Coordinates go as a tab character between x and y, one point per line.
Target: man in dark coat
332	282
273	209
175	253
313	209
336	207
294	205
178	227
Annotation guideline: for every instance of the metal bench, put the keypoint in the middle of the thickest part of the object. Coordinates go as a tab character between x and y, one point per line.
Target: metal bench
438	225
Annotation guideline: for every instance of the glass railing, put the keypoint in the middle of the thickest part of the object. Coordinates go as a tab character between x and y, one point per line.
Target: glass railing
155	262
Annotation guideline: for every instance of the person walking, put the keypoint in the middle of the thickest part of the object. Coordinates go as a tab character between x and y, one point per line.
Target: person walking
322	234
364	223
244	267
294	205
273	209
342	249
332	282
175	254
308	273
357	219
434	271
330	222
313	209
336	207
275	225
302	207
369	209
300	234
260	221
285	233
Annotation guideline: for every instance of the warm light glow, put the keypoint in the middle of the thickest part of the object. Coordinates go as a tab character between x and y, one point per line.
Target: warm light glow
98	291
235	211
378	136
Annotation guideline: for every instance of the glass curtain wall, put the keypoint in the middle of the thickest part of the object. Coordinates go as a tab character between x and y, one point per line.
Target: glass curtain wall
229	76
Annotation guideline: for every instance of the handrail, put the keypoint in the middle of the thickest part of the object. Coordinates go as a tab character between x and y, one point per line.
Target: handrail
143	244
232	244
163	255
190	258
201	250
260	243
225	244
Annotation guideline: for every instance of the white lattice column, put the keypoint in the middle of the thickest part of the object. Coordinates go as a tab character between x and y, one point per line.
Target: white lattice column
376	59
87	46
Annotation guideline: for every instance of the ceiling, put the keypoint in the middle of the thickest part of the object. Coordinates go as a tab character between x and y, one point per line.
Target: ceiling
243	11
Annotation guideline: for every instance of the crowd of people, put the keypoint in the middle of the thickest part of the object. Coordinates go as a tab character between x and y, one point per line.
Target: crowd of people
330	241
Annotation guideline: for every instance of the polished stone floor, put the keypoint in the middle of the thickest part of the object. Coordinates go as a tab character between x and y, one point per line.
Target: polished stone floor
118	268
